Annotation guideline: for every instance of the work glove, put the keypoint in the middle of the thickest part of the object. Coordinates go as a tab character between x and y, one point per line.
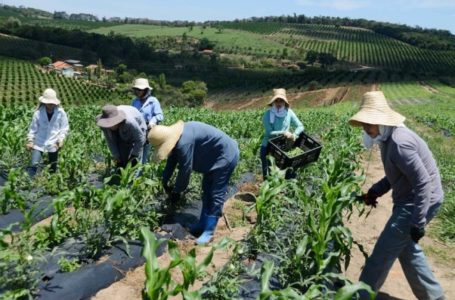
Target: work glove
289	135
60	144
29	146
369	199
417	233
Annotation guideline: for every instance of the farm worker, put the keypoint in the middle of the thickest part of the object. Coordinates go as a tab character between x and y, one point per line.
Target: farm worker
48	131
412	175
196	146
278	120
149	107
124	129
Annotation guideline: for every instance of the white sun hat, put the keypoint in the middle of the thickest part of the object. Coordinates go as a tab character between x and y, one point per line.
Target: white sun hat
279	94
375	110
49	97
141	84
164	138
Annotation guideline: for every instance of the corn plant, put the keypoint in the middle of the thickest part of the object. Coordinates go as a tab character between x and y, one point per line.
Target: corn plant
159	283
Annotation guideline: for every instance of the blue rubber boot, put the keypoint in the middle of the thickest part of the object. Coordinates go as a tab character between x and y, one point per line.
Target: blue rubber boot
209	230
196	229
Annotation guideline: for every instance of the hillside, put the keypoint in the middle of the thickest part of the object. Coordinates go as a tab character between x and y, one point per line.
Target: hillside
22	83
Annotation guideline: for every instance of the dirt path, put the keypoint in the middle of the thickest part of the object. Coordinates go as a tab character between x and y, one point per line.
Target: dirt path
366	232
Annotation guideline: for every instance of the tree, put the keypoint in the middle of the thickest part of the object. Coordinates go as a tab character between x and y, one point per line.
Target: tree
162	80
326	59
12	23
194	92
204	43
44	61
311	57
99	67
121	68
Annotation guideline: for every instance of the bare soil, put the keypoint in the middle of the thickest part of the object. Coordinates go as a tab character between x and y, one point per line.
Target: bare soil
367	230
319	97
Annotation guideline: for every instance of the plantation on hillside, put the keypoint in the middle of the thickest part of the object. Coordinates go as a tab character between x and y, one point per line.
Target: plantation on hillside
22	83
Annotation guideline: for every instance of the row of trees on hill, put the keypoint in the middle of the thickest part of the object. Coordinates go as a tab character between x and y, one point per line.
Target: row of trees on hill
435	39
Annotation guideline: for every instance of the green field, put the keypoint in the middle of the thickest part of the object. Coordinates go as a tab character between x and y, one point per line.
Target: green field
225	39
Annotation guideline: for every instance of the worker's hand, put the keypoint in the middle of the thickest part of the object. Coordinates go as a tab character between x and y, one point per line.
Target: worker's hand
59	144
29	146
369	199
417	233
289	135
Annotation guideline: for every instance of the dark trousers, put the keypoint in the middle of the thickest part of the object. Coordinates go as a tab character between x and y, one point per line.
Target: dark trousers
214	188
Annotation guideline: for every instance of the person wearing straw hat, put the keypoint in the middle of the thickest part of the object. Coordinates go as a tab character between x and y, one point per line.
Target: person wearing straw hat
149	107
125	132
47	132
413	176
196	146
278	120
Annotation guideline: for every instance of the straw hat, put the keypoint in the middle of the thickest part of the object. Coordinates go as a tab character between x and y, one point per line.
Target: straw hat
164	138
49	97
141	84
375	110
111	116
279	94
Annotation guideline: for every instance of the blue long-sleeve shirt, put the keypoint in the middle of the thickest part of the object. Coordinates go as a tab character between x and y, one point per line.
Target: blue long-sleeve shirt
201	148
151	109
280	125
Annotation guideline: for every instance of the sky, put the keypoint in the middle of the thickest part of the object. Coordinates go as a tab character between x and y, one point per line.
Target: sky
439	14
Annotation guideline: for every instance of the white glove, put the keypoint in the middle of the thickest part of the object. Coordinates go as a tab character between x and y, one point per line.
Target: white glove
289	135
151	124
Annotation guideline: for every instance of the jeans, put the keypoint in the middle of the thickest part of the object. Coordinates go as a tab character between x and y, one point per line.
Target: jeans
214	188
395	242
36	159
264	162
146	153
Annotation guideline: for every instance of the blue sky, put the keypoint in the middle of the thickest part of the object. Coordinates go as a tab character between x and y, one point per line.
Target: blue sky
438	14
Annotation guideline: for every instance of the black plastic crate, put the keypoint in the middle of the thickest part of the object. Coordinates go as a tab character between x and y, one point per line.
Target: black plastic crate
279	146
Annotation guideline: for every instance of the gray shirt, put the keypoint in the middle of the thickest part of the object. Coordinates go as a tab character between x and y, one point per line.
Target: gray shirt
411	173
131	133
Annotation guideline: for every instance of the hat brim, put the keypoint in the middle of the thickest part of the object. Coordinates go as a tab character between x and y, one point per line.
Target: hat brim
375	117
278	97
142	87
49	101
162	151
109	122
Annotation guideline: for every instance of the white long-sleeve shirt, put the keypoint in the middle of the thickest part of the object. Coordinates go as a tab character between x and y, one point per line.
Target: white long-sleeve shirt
44	133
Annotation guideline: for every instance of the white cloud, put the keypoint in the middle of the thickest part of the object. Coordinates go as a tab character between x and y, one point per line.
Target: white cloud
344	5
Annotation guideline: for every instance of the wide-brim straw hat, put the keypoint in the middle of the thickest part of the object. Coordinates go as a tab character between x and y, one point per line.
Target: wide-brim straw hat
111	116
375	110
49	97
164	138
279	94
141	84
